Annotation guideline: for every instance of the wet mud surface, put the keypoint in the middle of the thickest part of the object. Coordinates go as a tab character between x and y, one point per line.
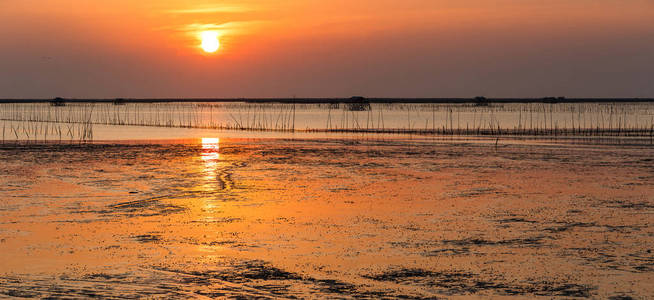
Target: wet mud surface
327	218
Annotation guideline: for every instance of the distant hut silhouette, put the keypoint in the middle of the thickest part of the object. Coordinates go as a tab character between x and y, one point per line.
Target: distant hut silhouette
553	99
358	103
481	101
58	102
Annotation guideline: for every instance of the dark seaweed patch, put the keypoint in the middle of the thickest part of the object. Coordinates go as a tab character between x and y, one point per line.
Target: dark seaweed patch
243	272
475	192
449	251
106	277
630	205
141	208
86	287
457	282
147	238
515	220
262	271
407	274
257	278
567	226
635	262
482	242
621	297
20	293
622	228
334	286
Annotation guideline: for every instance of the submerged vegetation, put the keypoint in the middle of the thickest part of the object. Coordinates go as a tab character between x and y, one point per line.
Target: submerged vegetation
75	120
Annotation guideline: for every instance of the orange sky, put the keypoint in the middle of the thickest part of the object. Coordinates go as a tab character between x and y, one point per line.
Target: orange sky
410	48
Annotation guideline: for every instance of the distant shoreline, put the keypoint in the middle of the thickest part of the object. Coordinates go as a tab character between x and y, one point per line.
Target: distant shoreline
476	100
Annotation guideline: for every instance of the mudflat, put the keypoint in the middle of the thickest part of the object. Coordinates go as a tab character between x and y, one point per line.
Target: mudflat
327	218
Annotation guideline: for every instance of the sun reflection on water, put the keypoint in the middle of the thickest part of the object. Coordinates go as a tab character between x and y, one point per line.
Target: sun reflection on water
210	151
210	155
210	143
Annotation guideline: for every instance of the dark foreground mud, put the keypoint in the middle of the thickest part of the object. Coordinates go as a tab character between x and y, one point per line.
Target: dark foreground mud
345	219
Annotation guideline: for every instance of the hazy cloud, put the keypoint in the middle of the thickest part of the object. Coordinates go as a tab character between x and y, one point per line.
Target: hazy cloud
209	10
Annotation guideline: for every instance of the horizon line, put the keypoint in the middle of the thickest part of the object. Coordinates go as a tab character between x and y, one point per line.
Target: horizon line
320	100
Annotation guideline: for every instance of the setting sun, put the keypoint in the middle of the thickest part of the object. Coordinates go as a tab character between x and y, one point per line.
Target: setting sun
210	43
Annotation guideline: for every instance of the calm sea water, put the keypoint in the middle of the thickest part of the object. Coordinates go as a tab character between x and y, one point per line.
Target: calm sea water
98	121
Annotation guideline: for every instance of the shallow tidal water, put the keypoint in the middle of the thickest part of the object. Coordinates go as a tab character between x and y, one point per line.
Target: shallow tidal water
337	218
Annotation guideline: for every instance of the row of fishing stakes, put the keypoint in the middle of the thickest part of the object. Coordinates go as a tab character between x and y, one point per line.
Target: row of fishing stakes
585	119
46	131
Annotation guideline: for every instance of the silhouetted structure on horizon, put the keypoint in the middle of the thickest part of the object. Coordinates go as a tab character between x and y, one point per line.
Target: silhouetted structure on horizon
58	102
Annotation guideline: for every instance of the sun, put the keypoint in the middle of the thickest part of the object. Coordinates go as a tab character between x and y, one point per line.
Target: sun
210	43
